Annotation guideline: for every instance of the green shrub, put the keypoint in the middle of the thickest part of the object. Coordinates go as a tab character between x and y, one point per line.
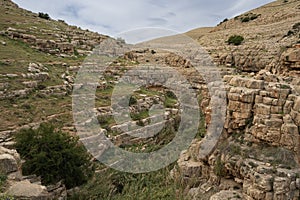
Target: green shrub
6	197
44	15
249	17
132	101
76	53
219	168
296	26
53	155
106	121
3	178
41	87
235	39
171	95
170	99
245	19
143	114
225	20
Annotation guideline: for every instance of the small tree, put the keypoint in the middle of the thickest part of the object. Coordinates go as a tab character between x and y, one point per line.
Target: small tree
53	155
44	15
235	39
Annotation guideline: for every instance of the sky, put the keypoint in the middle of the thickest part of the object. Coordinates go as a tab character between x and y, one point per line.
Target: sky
112	17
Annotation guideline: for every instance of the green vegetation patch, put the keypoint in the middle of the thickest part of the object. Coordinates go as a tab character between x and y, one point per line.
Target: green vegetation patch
235	40
3	179
248	17
116	185
170	99
53	155
44	15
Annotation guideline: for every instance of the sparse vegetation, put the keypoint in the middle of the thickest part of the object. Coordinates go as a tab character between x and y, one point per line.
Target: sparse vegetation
106	121
170	99
249	17
45	154
44	15
295	29
219	168
235	39
139	115
53	155
115	185
6	197
225	20
3	178
132	101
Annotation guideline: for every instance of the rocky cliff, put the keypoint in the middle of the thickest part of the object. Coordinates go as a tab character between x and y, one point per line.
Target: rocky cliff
258	156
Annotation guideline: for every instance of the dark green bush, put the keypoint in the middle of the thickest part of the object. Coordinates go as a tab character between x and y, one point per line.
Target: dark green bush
44	15
53	155
296	26
235	39
225	20
3	178
170	94
245	19
249	17
41	87
132	101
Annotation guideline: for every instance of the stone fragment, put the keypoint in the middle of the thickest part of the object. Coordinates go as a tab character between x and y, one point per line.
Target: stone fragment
26	190
8	163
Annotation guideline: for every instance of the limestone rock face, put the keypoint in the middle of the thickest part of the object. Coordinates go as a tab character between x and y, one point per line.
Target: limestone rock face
270	110
225	194
260	149
8	163
10	160
25	189
289	61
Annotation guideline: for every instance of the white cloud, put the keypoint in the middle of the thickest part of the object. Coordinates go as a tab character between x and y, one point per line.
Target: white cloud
114	16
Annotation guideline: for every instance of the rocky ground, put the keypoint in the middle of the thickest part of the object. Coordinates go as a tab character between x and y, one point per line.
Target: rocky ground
257	156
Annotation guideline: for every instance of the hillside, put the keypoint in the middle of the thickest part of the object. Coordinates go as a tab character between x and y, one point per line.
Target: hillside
35	53
37	60
267	30
257	156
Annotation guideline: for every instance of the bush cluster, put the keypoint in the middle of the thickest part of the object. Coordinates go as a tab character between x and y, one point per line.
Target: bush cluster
44	15
249	17
53	155
235	39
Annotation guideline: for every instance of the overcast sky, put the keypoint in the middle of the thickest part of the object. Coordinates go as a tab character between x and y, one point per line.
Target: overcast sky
111	17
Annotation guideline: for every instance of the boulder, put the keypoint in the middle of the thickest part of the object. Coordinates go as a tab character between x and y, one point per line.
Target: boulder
26	190
8	163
